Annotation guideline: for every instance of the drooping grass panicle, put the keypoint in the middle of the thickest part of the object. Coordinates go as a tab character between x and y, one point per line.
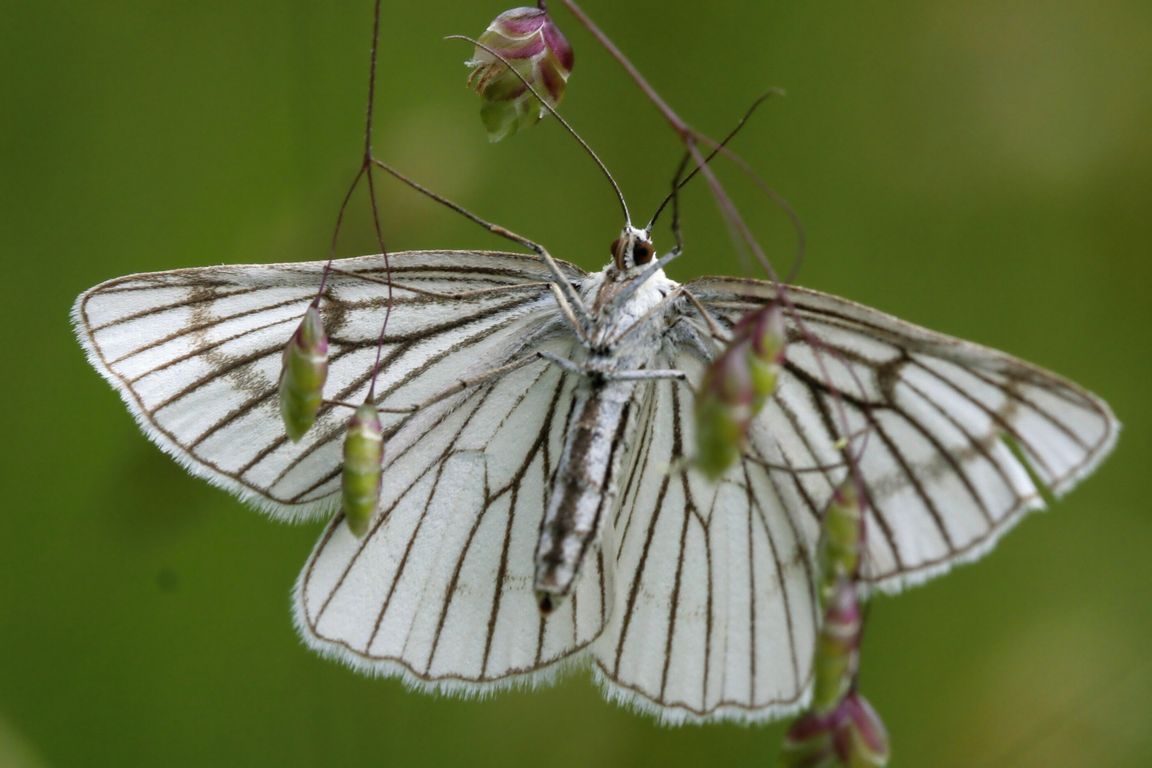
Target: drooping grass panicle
840	728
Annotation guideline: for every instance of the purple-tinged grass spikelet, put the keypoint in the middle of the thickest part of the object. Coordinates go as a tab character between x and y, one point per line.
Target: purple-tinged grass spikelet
529	40
735	388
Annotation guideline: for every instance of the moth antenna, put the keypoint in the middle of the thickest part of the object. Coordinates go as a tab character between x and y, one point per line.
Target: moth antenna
780	202
674	196
552	111
681	181
741	234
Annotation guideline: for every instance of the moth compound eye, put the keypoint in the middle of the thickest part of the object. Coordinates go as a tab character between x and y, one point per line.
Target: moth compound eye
642	253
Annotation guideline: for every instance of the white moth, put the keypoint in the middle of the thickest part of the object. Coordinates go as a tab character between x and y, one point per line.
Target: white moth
544	465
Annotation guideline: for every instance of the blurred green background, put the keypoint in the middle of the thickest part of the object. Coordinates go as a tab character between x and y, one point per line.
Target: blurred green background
983	168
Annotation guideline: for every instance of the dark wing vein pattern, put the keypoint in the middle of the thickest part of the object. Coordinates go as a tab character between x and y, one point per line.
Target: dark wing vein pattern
699	602
440	590
195	354
939	418
715	612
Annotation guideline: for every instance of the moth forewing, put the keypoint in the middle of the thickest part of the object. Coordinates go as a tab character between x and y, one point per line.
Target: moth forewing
195	354
943	485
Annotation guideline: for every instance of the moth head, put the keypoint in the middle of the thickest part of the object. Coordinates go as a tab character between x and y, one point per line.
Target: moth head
632	249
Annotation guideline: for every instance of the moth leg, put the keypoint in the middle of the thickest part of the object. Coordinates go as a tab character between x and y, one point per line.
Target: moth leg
580	329
642	321
562	282
662	374
557	274
640	375
465	383
492	373
714	328
563	363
